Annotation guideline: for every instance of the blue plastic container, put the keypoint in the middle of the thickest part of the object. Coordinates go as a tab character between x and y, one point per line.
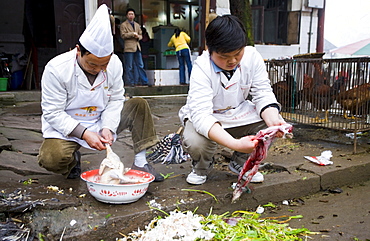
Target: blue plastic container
16	80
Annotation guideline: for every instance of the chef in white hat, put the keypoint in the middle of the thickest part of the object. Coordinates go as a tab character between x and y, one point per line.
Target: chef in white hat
82	103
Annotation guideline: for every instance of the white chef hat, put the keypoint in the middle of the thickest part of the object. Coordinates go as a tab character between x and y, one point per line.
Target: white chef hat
97	37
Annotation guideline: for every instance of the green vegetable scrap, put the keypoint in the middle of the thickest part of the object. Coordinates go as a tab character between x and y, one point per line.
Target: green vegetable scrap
244	225
240	225
29	181
167	175
270	204
201	191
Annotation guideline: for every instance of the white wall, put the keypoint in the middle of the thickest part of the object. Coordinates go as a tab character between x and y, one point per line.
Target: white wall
90	9
278	51
287	51
169	76
305	29
163	77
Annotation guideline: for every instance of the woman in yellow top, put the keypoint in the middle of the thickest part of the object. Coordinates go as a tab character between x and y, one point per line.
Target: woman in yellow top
180	41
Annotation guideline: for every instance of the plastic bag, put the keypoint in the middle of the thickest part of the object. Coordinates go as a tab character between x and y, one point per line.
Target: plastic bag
322	160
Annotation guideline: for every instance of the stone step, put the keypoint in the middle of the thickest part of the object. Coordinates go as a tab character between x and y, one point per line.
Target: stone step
8	98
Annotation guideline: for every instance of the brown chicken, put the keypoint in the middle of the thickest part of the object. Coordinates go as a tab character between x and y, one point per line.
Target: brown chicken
319	92
286	93
355	100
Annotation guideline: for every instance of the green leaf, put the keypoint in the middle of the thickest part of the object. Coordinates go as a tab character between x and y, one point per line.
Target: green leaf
270	205
167	175
202	191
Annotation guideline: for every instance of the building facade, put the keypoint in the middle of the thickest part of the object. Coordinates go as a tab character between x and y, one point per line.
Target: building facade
44	28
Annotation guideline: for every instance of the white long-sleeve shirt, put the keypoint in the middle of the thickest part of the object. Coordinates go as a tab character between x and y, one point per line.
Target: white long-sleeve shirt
213	98
62	80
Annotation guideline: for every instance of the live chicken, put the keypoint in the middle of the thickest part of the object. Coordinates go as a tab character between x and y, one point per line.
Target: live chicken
355	100
318	91
286	93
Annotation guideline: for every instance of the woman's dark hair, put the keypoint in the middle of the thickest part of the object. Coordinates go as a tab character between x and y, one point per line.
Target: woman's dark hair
225	34
143	29
177	32
130	9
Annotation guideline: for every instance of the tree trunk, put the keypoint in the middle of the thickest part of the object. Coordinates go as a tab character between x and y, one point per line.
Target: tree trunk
242	9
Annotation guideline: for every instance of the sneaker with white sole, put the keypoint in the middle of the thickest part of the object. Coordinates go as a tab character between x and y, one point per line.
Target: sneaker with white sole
235	167
196	179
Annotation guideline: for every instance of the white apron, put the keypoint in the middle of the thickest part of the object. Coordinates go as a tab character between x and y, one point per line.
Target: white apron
235	113
86	107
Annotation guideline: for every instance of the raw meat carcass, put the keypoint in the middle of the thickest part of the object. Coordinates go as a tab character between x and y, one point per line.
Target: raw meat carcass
265	138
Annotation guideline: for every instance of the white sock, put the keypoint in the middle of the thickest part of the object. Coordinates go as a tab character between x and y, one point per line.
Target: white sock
140	158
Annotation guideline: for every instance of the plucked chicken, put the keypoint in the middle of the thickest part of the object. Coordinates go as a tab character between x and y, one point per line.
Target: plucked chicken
112	169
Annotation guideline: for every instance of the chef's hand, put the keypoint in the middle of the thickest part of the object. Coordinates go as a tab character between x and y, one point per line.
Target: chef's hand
95	140
246	144
107	135
272	118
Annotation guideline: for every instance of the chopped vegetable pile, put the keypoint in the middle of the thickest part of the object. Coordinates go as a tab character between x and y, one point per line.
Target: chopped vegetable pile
176	226
240	225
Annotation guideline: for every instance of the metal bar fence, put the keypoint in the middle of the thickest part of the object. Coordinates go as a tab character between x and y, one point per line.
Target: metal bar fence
329	93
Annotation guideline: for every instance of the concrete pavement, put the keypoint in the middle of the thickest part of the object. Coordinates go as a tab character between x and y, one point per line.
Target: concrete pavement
24	185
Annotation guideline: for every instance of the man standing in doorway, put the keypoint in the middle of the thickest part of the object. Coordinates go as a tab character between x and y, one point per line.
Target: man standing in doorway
132	34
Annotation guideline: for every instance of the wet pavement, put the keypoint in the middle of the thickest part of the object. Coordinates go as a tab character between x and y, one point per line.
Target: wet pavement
70	212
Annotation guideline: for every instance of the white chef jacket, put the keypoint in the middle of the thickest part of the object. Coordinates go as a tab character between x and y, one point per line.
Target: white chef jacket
62	83
213	98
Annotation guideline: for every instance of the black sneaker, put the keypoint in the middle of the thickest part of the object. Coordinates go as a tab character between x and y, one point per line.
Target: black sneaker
150	169
240	157
76	170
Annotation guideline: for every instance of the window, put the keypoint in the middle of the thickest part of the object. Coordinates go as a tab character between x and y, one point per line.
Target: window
273	23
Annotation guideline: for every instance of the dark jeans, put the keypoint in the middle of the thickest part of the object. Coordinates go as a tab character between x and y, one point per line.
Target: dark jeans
135	61
183	56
